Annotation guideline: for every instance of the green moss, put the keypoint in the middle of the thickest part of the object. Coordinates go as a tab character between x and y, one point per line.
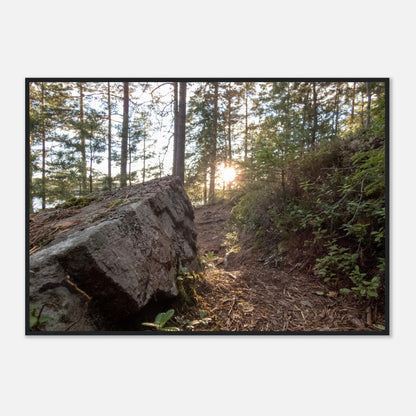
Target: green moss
186	282
80	202
115	203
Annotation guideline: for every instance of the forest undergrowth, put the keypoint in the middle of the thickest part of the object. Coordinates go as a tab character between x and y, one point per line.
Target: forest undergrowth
243	289
302	252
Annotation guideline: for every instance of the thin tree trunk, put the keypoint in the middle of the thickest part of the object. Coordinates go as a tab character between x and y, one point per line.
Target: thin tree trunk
353	103
109	137
144	159
362	108
175	129
205	185
211	195
229	138
180	161
129	147
30	175
91	156
229	129
246	127
30	162
368	104
315	117
336	111
305	120
43	146
124	136
82	137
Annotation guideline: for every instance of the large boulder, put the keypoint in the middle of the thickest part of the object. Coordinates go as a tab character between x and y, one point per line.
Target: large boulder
106	261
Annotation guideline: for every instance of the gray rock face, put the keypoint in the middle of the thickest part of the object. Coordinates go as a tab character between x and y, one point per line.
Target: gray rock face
124	251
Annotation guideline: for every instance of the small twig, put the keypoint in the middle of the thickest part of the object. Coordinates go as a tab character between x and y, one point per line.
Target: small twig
161	85
84	310
67	280
230	274
232	306
50	305
359	202
33	250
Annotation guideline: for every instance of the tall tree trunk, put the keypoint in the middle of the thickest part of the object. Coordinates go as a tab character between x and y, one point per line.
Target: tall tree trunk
124	136
144	159
336	110
129	147
229	128
30	168
30	157
229	139
82	137
180	160
109	137
305	120
353	103
91	158
213	155
246	125
315	116
175	129
368	104
362	108
43	145
205	184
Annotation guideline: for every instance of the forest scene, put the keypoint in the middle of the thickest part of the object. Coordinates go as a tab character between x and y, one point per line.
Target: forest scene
220	206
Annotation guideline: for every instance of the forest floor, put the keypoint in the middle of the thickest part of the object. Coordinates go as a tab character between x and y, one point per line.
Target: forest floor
242	291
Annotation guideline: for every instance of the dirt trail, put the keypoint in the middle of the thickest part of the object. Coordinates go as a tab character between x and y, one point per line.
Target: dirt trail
243	292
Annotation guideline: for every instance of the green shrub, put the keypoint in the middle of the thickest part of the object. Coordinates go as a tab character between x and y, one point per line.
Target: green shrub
332	209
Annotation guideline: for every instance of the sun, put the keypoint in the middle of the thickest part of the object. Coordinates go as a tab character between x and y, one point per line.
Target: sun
226	174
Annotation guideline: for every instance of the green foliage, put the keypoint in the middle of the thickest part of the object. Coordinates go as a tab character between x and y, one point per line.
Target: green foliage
191	324
332	208
208	260
339	261
184	273
80	202
185	282
161	320
36	316
362	286
115	203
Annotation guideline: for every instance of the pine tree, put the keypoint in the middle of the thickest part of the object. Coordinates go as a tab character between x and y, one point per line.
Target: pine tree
213	147
124	135
180	146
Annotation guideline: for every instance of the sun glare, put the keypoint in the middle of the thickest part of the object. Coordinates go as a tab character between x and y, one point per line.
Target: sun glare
226	174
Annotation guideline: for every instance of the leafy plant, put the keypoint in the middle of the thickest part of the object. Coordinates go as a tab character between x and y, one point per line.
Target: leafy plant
184	273
195	322
362	286
186	285
339	261
161	320
208	259
36	320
